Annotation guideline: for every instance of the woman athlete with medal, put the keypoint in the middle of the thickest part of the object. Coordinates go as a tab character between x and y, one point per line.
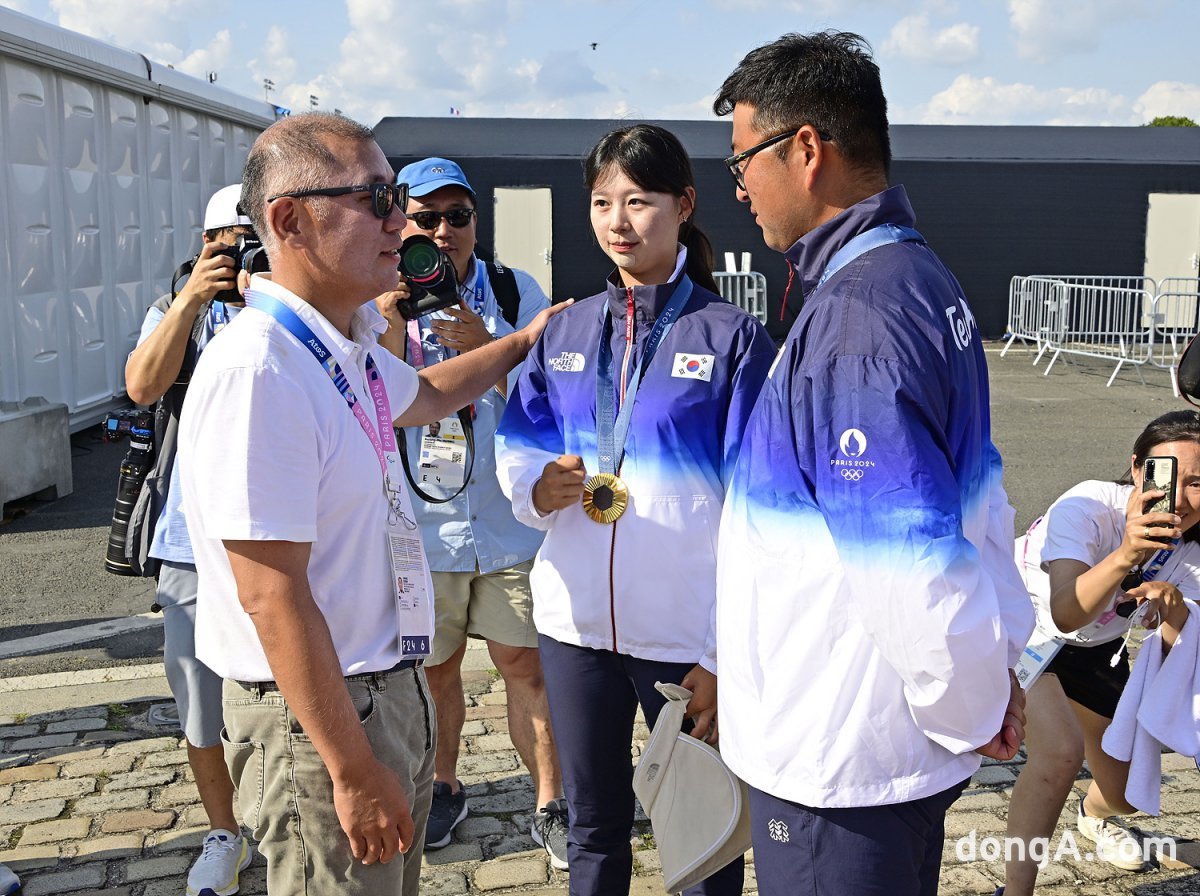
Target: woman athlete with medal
617	442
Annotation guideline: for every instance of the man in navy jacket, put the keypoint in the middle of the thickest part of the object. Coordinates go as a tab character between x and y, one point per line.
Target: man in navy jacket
868	606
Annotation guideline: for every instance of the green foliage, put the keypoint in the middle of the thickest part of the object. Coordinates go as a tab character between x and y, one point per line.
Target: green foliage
1172	121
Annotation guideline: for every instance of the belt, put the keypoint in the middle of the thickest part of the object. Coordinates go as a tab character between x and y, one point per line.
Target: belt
264	686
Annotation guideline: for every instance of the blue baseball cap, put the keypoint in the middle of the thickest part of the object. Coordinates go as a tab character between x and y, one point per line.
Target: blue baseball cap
427	175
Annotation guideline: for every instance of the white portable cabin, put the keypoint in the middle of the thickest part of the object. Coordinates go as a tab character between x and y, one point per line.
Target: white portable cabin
106	162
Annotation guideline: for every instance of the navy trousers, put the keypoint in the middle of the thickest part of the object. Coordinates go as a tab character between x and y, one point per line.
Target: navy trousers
593	696
865	851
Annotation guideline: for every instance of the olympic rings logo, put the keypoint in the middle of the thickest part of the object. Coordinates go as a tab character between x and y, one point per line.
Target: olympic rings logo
852	475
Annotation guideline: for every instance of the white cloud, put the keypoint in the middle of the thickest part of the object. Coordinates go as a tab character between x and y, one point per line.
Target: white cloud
971	100
394	63
276	61
1168	98
135	24
213	58
1046	29
913	39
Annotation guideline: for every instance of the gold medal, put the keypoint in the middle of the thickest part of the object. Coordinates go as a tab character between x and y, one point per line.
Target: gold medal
605	497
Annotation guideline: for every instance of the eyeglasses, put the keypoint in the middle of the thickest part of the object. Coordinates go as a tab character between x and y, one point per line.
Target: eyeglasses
384	196
734	162
456	217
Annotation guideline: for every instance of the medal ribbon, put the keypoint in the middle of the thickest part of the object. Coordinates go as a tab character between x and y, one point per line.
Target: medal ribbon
383	439
612	428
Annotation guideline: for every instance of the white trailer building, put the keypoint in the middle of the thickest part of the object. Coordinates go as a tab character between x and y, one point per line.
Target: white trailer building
106	161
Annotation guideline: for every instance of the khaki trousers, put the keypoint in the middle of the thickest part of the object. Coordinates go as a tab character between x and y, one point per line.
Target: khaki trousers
286	795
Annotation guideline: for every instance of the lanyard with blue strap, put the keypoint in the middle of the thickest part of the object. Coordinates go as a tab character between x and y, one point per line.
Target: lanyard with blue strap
416	357
409	577
882	235
218	317
605	495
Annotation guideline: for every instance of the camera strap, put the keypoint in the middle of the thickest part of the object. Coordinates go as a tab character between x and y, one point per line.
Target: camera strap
414	349
184	270
468	429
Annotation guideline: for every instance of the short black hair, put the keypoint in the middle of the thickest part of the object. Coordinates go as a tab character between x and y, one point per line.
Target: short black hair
828	80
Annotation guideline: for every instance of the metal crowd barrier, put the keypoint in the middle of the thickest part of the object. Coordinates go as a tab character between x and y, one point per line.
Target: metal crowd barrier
747	290
1110	318
1176	318
1034	305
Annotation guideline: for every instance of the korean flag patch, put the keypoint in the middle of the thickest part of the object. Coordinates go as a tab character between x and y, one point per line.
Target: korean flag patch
693	367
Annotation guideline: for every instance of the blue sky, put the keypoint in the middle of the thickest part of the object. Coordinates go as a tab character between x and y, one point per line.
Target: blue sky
1082	62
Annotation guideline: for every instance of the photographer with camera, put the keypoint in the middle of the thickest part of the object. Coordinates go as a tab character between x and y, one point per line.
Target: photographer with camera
479	555
153	368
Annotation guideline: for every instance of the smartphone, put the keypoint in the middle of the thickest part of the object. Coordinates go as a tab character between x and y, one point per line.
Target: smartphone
1158	473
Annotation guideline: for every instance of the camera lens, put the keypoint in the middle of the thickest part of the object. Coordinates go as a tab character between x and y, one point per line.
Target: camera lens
421	260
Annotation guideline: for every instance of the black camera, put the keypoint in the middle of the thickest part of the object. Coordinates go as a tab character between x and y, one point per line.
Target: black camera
430	276
139	426
135	423
248	255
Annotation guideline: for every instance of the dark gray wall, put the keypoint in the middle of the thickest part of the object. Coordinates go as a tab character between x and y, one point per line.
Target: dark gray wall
992	220
993	202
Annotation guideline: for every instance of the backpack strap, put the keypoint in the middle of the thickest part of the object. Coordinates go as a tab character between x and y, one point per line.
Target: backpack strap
504	288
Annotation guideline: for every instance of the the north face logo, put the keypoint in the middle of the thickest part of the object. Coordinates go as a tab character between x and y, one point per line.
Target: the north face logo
778	830
567	362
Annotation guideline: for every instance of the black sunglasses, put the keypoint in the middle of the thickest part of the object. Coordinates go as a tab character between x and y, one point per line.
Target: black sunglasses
456	217
384	196
734	162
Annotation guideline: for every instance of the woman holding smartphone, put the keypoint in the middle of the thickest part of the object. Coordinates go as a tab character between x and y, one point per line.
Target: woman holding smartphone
618	442
1100	555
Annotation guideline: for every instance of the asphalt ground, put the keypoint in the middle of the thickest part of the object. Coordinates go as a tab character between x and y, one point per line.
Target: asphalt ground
1052	431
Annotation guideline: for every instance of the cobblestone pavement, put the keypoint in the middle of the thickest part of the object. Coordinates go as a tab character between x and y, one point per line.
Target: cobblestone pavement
96	799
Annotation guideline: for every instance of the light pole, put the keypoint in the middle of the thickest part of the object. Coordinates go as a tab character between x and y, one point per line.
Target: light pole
312	101
268	86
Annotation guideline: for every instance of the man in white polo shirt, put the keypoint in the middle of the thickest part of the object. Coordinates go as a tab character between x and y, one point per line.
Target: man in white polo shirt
314	600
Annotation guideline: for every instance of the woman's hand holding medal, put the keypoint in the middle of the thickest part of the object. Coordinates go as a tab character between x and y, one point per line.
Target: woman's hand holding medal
561	484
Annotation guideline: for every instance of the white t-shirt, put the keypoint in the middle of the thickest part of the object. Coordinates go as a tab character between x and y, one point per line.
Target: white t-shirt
269	450
1087	524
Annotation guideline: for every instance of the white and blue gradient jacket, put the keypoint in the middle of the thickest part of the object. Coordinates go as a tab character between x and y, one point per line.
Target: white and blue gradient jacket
644	585
868	603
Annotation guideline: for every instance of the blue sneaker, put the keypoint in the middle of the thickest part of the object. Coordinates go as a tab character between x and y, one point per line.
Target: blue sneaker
447	810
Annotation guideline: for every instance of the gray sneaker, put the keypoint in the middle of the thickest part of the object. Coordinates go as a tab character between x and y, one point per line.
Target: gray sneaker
550	831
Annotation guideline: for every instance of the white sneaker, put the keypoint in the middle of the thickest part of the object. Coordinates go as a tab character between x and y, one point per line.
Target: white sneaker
216	872
1114	844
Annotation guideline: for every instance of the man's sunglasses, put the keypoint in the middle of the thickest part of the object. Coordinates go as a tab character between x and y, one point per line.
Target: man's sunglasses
384	196
456	217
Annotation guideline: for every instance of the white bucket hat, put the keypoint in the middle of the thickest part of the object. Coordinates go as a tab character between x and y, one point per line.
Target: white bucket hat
698	808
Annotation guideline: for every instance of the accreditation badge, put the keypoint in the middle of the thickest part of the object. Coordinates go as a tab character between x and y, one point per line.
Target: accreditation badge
410	576
605	497
443	460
